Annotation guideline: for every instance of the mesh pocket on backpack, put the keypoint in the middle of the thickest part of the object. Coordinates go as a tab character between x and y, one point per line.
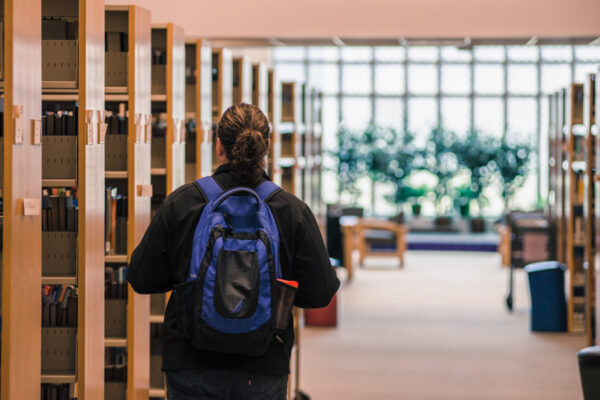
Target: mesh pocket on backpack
237	283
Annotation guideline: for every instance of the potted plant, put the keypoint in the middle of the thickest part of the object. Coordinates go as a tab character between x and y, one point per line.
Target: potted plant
351	162
475	152
442	162
511	162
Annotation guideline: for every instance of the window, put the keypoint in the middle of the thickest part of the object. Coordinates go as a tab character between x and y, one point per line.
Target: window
498	90
356	112
456	115
389	79
456	79
422	79
389	113
356	79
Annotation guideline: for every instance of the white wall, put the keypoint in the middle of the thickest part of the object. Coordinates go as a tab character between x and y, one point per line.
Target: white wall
378	18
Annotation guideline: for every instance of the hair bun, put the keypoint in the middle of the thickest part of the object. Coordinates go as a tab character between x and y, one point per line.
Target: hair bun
244	132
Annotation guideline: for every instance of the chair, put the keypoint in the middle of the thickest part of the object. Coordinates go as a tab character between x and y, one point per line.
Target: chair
373	238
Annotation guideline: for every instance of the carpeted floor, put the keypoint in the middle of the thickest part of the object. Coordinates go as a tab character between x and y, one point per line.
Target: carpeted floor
436	330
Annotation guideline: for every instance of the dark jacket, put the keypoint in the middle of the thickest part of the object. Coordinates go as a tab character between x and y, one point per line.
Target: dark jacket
162	260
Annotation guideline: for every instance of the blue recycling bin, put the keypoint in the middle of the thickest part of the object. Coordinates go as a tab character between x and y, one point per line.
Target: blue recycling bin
547	289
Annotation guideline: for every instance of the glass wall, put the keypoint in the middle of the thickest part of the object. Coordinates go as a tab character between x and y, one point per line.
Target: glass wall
498	90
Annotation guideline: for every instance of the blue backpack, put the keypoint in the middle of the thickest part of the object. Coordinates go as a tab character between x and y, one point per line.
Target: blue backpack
226	305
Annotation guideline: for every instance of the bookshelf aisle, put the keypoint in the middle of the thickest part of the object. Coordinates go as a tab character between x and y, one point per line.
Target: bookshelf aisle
127	161
575	200
168	156
20	184
274	114
222	91
242	80
589	204
73	198
198	58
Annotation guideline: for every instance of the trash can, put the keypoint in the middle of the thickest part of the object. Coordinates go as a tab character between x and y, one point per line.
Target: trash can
547	289
589	371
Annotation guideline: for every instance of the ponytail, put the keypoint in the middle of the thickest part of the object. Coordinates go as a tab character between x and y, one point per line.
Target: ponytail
244	132
249	153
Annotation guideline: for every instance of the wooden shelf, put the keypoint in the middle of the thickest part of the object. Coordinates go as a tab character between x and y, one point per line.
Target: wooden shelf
60	97
156	392
115	174
115	342
59	280
115	258
159	98
59	182
158	171
58	378
157	319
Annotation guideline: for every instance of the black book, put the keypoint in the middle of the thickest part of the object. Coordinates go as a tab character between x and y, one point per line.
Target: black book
59	128
69	124
54	213
44	127
124	42
50	123
45	211
72	311
62	211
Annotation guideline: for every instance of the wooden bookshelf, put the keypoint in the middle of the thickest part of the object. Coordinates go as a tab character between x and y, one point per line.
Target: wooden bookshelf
316	201
134	22
552	157
198	93
575	204
168	148
596	266
260	86
241	80
22	177
274	114
305	141
222	91
561	154
589	203
290	132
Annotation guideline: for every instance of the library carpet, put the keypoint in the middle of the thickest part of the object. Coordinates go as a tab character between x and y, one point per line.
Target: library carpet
430	332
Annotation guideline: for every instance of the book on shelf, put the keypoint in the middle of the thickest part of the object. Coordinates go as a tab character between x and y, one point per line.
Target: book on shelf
115	364
115	283
62	391
115	222
59	210
59	306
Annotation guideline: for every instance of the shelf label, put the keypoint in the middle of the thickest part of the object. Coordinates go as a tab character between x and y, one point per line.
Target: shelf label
145	190
103	129
18	121
36	132
31	206
148	129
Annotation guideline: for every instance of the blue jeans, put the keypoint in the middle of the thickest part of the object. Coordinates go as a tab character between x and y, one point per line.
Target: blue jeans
224	385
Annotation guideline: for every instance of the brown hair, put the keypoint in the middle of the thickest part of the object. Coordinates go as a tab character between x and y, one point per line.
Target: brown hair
244	132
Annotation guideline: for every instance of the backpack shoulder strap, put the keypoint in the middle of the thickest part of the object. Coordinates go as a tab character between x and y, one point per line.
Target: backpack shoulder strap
210	188
266	190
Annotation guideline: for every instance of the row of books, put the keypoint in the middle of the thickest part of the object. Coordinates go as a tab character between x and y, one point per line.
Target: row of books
115	283
117	120
59	123
115	364
63	391
59	306
59	29
59	210
115	222
159	57
159	126
117	42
